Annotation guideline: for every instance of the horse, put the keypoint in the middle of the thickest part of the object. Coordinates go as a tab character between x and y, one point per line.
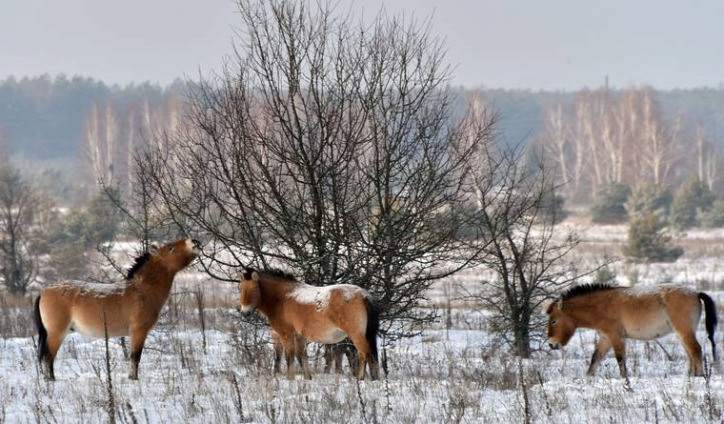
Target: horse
111	310
298	312
641	313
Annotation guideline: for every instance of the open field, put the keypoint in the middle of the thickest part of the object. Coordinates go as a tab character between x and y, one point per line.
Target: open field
455	371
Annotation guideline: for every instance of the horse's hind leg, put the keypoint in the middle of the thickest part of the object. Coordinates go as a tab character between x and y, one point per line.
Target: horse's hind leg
138	339
333	355
602	347
684	314
56	332
364	357
693	351
351	355
55	339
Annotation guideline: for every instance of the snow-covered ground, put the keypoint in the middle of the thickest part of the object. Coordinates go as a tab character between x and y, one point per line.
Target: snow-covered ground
460	374
441	376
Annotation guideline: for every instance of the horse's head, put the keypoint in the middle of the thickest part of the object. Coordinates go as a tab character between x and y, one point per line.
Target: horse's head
560	326
249	290
177	255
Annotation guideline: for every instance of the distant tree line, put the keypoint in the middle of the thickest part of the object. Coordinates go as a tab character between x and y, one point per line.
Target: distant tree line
606	138
43	116
47	116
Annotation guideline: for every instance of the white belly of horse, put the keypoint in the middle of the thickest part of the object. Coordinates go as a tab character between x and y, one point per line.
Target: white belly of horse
653	330
96	330
334	335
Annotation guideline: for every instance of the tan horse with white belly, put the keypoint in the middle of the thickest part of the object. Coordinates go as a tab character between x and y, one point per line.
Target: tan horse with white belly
298	312
642	313
129	308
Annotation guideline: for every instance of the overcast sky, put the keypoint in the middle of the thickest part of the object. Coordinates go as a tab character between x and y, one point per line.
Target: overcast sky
548	44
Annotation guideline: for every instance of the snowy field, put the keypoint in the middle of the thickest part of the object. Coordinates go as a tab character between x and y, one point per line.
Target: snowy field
456	374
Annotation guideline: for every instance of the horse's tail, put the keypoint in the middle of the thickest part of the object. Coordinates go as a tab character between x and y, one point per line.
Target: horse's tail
42	333
373	326
711	319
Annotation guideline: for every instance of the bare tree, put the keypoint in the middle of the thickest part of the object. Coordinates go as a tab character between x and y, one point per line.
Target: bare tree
142	212
327	148
18	262
518	243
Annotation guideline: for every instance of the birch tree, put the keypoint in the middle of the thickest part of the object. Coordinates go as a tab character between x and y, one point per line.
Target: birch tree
706	157
658	145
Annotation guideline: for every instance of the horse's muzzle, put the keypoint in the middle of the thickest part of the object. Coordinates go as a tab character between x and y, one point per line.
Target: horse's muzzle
554	346
197	244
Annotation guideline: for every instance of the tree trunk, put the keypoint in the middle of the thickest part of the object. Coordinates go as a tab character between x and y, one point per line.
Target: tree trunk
522	336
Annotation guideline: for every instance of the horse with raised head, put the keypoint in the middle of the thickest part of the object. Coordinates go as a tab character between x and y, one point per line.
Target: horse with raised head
298	312
130	308
642	313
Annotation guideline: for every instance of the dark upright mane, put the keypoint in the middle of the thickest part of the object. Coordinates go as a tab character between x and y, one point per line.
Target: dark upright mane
272	272
582	289
140	262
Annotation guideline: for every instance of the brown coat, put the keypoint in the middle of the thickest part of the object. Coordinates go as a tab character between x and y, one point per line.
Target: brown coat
96	310
299	312
642	313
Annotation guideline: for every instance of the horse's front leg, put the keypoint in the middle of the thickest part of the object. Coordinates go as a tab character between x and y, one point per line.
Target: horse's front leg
138	339
300	347
602	347
278	349
619	349
289	346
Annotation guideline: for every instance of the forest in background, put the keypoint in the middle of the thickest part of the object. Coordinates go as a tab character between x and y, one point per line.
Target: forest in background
74	129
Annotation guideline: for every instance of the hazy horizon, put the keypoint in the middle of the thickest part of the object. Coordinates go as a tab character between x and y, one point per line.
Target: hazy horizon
559	45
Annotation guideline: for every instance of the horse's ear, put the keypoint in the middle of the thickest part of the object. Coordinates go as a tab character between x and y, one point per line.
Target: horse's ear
557	304
247	273
153	251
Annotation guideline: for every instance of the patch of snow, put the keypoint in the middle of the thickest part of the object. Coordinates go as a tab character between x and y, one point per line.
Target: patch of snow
91	287
320	296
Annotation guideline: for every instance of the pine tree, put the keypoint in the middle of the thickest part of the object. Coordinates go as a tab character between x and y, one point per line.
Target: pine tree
609	205
648	238
690	198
